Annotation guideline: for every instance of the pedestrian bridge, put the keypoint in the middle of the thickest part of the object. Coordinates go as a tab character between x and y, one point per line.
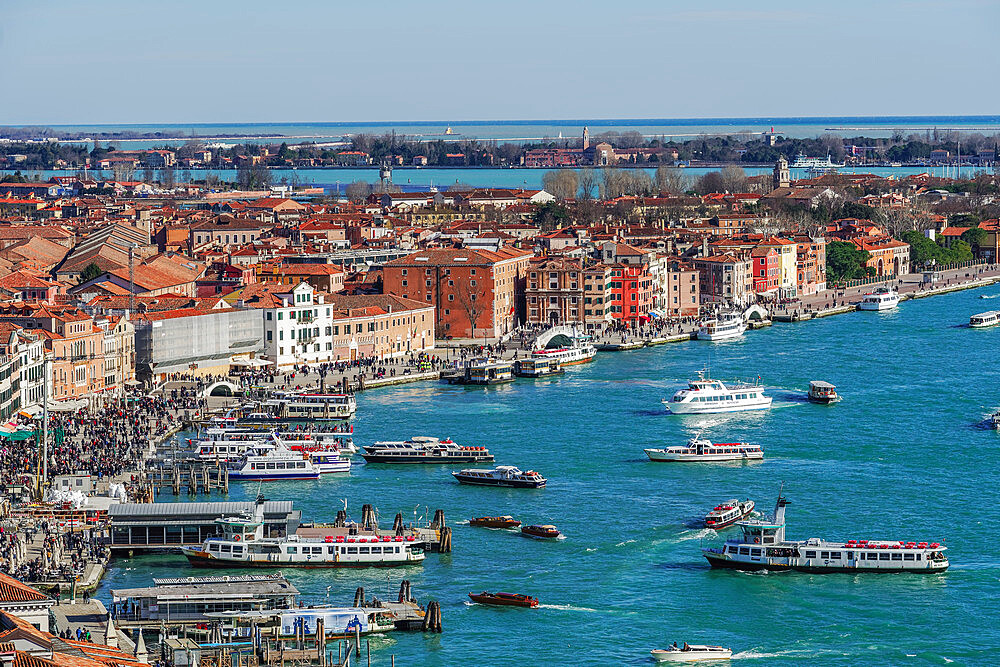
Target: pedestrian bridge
557	336
756	313
221	388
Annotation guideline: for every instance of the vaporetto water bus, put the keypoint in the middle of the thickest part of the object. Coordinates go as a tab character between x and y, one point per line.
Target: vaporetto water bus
724	327
990	318
882	298
707	396
761	545
501	476
424	449
302	406
698	449
265	461
242	544
579	353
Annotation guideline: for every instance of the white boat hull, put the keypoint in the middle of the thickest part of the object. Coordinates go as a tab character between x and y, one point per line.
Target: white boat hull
721	335
691	656
683	408
662	456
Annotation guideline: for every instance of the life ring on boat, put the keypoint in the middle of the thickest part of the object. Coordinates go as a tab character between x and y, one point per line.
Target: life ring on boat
236	538
756	540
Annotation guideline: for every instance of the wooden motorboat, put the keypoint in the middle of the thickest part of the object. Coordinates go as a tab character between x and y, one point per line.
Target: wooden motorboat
543	532
504	599
822	392
504	521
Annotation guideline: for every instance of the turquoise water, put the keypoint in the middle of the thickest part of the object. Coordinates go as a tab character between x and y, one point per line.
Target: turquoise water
902	457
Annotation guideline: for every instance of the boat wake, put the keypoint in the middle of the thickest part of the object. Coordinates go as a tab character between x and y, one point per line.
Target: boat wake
565	607
754	654
463	522
695	534
988	296
621	544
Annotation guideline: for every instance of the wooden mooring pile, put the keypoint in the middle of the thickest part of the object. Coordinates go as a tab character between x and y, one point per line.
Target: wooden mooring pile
194	477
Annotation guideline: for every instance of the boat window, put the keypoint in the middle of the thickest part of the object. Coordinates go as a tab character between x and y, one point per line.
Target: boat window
362	550
238	549
897	556
907	556
270	466
873	556
835	555
918	556
376	550
213	547
352	550
755	552
883	556
331	550
744	551
825	555
226	548
850	555
810	554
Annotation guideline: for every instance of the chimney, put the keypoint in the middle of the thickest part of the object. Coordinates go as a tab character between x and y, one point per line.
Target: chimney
111	634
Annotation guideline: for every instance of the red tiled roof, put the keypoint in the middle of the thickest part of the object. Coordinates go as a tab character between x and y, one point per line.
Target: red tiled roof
12	590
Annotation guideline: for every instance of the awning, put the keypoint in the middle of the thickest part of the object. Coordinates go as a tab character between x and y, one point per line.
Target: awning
68	406
31	411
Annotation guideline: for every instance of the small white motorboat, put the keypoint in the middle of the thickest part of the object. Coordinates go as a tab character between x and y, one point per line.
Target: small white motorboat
691	653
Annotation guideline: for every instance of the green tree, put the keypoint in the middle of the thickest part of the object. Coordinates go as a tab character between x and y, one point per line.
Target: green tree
845	261
975	237
89	272
551	215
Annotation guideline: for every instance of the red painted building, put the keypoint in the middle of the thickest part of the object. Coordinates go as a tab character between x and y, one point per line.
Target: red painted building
766	270
631	292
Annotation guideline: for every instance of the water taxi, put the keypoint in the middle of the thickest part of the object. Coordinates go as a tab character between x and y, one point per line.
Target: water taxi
504	599
707	396
883	298
274	462
990	318
723	327
424	449
580	352
505	521
728	513
691	653
698	449
242	544
537	368
823	392
761	545
546	532
501	476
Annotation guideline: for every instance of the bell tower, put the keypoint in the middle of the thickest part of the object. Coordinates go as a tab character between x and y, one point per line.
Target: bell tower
586	138
782	177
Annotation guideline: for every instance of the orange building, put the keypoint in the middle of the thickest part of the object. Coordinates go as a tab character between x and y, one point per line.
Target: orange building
475	293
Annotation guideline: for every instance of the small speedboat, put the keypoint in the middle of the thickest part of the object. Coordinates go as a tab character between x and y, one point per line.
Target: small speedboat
541	532
504	599
994	420
691	653
504	521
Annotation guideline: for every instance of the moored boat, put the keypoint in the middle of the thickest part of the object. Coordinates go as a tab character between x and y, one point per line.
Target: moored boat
728	513
504	599
242	544
761	545
424	449
546	532
698	449
722	327
274	462
708	396
534	367
580	352
483	372
823	392
505	521
501	476
882	298
691	653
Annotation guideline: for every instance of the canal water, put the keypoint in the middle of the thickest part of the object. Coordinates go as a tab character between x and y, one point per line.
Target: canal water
903	456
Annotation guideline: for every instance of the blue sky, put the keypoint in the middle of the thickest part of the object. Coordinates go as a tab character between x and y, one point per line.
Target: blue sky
110	61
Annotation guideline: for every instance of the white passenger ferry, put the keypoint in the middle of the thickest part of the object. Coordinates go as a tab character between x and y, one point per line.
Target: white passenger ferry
424	449
579	353
707	396
242	544
883	298
274	462
698	449
761	545
723	327
501	476
728	513
990	318
304	406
